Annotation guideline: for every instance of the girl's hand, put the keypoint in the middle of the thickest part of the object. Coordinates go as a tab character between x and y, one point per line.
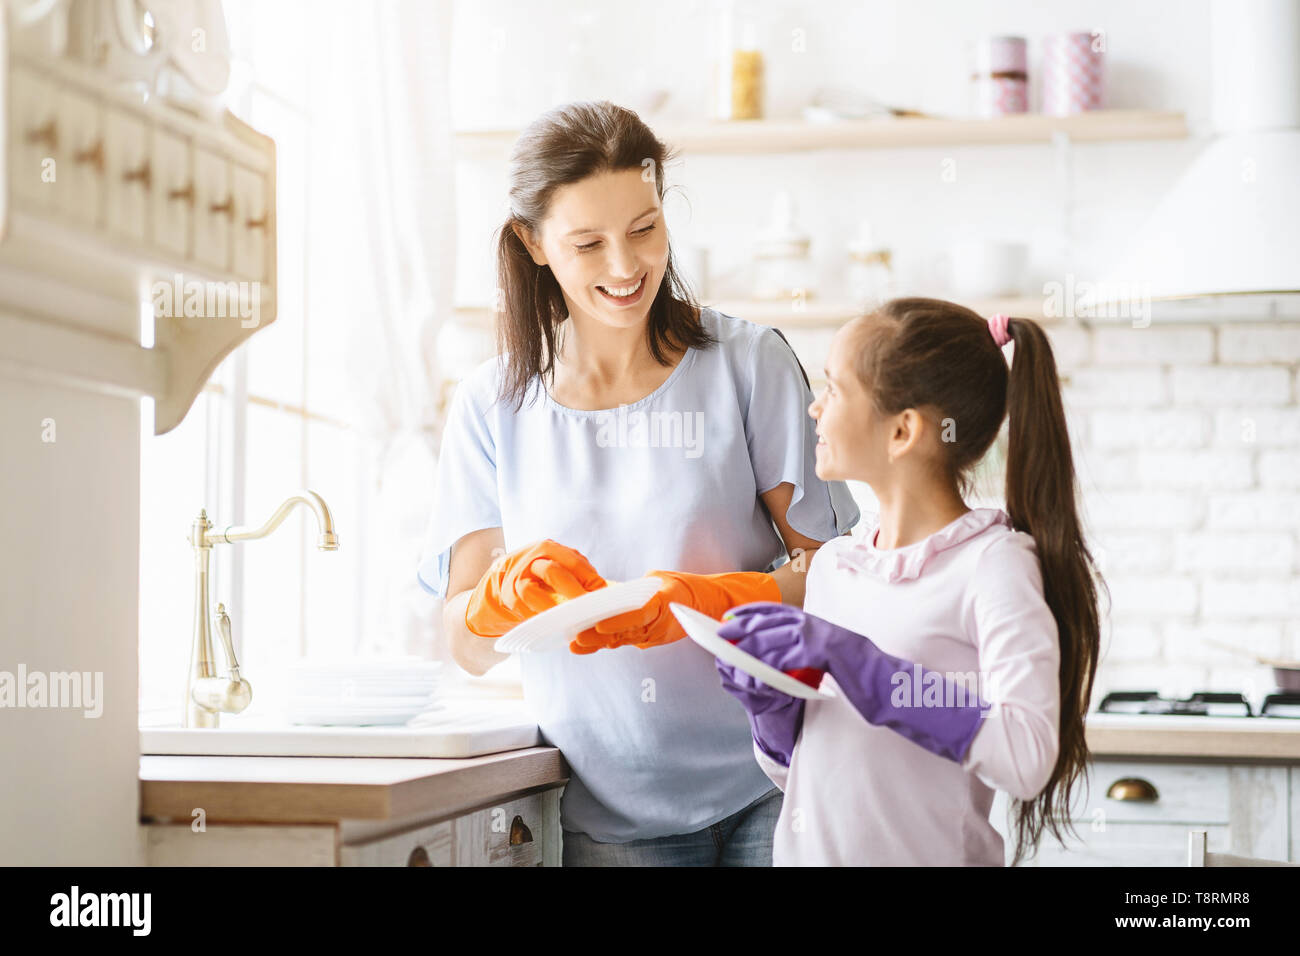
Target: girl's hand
789	638
778	634
775	718
754	695
525	582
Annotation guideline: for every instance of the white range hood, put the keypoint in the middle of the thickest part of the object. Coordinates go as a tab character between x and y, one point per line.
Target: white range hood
1230	226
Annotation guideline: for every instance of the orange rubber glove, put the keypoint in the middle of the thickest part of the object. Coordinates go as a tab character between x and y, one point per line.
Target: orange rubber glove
525	582
654	624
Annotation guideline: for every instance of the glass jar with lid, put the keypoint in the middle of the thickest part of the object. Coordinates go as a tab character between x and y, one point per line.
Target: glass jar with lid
738	70
782	268
870	276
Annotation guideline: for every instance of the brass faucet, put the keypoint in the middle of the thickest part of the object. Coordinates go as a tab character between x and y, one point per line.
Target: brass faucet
207	696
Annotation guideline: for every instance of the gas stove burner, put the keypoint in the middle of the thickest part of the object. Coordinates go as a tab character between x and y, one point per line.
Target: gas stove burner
1281	704
1200	704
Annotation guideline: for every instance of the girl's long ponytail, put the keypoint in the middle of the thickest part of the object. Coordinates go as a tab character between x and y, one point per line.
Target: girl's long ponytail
1040	497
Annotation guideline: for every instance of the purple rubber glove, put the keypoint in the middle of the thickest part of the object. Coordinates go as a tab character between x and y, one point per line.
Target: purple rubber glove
788	638
774	717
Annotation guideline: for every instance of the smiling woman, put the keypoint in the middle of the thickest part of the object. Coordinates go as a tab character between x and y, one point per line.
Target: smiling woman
550	484
594	174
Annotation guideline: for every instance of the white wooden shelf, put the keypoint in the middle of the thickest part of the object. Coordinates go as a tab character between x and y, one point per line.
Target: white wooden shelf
784	136
825	313
813	314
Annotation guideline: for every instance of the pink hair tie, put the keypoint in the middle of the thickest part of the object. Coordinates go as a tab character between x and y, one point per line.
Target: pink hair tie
998	326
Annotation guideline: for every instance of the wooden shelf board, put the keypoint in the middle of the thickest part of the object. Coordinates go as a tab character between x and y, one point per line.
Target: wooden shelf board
784	136
814	313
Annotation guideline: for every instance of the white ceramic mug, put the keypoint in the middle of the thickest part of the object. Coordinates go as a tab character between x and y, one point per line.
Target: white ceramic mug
987	268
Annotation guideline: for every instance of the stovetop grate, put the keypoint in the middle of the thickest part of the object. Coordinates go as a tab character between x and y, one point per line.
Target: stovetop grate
1199	704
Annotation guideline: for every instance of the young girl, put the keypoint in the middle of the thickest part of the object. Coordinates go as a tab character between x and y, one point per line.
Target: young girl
961	644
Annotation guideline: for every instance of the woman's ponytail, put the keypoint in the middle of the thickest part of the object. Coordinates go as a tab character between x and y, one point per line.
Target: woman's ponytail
1040	497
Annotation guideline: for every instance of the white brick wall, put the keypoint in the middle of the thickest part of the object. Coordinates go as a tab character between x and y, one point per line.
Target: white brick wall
1224	385
1153	345
1188	456
1247	344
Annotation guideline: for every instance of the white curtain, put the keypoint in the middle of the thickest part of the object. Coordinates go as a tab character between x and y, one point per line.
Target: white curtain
381	216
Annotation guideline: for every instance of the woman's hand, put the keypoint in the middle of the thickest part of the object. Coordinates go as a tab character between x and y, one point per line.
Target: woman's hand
525	582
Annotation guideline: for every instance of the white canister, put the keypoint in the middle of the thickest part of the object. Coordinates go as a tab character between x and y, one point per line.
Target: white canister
988	268
782	268
1072	74
1001	77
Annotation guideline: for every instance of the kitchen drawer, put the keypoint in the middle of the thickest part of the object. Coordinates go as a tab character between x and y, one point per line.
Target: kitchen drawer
80	189
127	175
172	194
252	224
35	141
236	845
214	210
1187	793
432	845
524	831
1243	807
1124	844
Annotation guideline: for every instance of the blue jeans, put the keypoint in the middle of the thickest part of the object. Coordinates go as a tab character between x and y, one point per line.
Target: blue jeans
742	839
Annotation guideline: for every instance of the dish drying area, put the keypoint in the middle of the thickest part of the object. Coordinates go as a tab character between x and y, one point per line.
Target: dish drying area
356	708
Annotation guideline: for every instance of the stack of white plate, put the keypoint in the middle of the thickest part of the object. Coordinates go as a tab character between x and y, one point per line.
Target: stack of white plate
361	691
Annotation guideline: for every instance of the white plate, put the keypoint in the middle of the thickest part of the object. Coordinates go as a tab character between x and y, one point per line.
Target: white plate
361	688
366	668
360	703
337	714
553	630
703	630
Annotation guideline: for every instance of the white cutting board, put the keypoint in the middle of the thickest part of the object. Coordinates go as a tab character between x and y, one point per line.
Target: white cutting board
457	732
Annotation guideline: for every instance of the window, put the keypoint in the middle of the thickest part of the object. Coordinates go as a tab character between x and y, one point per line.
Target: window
277	416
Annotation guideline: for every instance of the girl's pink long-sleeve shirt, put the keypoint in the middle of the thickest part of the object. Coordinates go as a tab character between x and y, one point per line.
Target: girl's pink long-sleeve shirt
968	602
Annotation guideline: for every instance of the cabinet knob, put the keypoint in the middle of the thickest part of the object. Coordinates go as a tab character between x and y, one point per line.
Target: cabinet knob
185	195
419	857
519	832
259	223
225	207
1133	789
142	174
94	156
47	134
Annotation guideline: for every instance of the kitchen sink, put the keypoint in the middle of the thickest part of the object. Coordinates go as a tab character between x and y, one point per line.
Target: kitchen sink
459	729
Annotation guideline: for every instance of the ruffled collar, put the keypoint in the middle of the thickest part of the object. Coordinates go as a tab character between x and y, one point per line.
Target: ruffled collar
902	564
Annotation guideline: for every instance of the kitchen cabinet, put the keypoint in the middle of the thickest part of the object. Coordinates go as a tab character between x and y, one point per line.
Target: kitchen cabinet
499	809
1246	808
106	197
521	831
98	217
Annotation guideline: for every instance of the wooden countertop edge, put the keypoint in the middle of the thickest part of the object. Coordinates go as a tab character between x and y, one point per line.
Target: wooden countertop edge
1192	743
443	790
